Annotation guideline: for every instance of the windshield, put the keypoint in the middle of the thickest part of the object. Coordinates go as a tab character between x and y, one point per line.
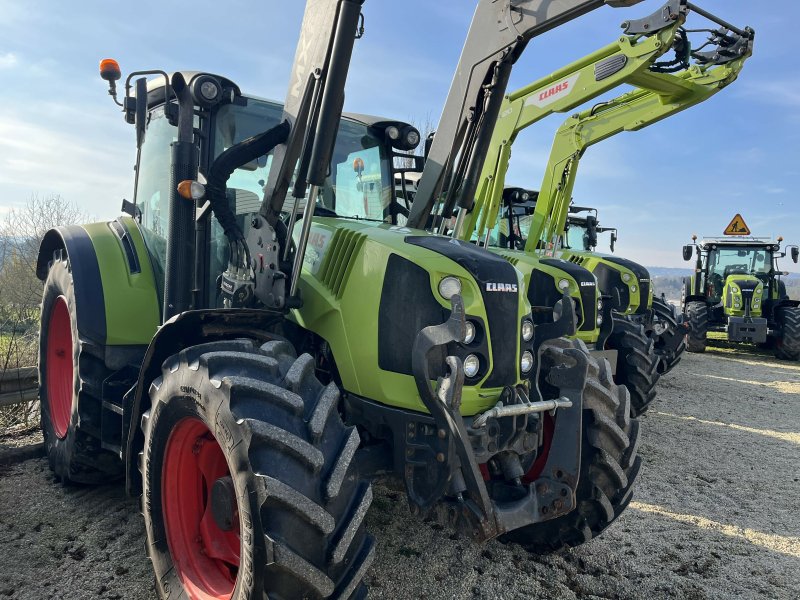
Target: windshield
576	237
739	261
512	232
358	183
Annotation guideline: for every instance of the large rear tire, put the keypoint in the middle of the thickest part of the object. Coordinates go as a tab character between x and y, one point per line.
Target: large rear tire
637	362
609	459
664	333
787	347
249	486
697	336
70	387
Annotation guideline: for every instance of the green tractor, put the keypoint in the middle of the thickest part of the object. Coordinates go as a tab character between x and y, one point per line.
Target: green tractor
630	280
736	289
258	337
644	345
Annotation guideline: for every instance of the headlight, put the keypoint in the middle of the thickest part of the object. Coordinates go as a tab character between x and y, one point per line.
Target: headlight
526	362
599	320
527	330
600	304
472	365
469	337
563	285
633	288
449	287
626	277
737	304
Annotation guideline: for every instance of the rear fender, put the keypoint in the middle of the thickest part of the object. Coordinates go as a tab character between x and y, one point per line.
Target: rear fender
114	285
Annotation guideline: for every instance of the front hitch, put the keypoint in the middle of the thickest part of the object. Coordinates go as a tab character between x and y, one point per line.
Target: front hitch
457	469
441	470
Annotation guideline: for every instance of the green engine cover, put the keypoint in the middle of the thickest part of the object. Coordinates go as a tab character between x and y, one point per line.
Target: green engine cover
614	273
544	283
737	289
369	288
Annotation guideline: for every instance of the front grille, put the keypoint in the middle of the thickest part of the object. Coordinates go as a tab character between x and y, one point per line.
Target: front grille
501	307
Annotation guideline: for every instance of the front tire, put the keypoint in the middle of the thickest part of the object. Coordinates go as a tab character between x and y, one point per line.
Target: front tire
609	459
787	347
637	362
664	332
697	336
70	386
249	486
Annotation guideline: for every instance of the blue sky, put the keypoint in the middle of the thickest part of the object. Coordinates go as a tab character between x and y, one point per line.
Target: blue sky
738	152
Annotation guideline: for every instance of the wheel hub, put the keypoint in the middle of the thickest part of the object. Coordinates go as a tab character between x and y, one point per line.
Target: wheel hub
223	503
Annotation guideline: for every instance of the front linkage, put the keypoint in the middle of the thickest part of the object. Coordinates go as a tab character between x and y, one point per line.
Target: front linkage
444	455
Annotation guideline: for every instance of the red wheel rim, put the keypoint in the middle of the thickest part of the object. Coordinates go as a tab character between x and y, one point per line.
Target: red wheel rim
60	374
205	557
538	465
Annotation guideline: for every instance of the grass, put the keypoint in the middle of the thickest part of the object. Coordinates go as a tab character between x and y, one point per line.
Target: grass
718	340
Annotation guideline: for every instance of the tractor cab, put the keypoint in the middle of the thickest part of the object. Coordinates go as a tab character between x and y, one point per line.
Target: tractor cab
358	185
517	212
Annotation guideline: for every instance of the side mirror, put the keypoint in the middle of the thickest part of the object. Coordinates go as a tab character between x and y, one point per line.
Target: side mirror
428	144
613	240
591	231
795	253
687	252
140	110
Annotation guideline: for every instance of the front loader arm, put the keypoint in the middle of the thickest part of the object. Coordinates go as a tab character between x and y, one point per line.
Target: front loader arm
561	91
497	36
312	110
657	97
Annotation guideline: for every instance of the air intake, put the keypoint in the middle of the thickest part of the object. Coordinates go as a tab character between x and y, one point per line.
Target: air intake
336	265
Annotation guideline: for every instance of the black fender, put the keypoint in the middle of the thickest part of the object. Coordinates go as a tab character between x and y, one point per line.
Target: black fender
182	331
693	298
87	280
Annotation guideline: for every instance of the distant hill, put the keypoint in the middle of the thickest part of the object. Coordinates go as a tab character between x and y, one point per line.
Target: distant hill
669	281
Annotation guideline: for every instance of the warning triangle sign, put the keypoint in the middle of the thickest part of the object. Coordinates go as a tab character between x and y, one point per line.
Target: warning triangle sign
737	226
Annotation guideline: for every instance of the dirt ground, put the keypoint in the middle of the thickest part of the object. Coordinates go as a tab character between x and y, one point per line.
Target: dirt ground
715	515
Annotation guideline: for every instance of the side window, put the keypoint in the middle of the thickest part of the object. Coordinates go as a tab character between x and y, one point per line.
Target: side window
152	190
360	189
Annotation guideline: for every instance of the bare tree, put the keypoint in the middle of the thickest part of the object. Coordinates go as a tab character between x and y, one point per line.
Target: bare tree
21	232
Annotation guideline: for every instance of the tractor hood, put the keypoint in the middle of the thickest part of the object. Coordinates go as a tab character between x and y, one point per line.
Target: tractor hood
369	288
741	291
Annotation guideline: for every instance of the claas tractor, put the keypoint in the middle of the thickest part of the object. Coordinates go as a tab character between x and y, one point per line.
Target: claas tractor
656	58
256	338
629	282
737	289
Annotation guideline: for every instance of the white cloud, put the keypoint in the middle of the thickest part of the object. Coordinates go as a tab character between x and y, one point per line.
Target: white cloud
782	92
8	60
37	158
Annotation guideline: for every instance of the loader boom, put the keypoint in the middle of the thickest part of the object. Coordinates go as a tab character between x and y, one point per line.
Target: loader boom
630	60
497	36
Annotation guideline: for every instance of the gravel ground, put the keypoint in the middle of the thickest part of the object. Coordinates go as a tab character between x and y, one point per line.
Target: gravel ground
715	514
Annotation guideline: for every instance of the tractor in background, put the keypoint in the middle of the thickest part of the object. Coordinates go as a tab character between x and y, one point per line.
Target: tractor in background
737	289
656	58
